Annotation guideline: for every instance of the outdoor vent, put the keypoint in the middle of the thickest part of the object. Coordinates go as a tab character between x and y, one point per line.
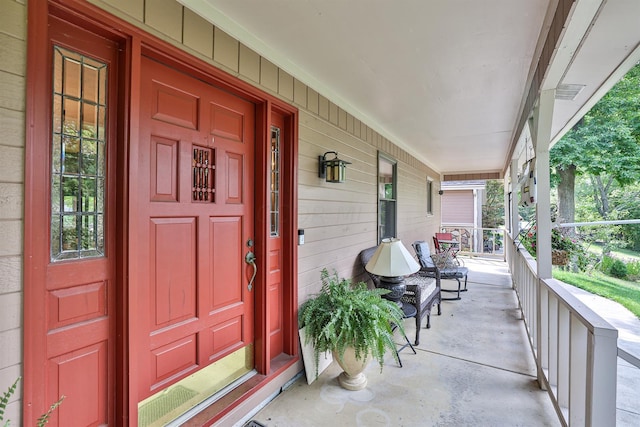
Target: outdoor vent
568	92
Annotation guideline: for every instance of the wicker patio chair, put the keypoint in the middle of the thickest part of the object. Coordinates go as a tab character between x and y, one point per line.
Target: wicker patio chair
443	264
423	292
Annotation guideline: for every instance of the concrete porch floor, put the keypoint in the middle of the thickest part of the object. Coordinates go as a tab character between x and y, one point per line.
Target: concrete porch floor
473	367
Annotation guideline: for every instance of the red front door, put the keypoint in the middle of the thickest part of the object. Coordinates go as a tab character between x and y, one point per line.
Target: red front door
192	225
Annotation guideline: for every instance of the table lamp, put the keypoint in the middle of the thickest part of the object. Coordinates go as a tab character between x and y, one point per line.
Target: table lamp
391	262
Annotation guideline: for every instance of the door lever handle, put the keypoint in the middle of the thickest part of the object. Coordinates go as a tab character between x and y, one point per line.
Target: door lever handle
250	258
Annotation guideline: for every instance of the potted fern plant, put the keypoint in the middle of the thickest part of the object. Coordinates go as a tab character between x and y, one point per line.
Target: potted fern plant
353	322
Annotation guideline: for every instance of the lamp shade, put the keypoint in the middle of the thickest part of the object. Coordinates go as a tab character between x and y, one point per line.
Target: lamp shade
392	259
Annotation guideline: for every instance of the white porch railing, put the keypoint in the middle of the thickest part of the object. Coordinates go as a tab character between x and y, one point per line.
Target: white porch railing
575	349
478	241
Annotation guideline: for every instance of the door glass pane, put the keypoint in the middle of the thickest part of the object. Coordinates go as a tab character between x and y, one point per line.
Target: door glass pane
275	182
78	161
429	197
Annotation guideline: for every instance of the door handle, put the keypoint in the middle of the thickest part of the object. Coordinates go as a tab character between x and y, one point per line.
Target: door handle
250	258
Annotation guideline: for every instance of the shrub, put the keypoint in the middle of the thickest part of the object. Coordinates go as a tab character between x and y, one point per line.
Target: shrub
607	261
633	270
618	269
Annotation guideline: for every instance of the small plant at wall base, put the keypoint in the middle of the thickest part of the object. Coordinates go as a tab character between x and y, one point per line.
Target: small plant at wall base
343	316
4	402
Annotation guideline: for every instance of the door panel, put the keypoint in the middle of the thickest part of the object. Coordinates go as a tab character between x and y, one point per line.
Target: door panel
173	259
197	148
164	169
173	106
82	375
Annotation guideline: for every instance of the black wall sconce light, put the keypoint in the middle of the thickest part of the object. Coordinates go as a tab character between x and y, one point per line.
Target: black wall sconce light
440	192
333	170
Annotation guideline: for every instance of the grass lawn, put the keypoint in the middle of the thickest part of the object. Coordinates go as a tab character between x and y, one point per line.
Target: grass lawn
626	293
623	254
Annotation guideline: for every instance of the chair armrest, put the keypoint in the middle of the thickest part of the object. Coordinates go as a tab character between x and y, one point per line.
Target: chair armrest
430	272
415	290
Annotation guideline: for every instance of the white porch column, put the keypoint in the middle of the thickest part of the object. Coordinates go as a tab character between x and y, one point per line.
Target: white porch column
541	137
515	223
542	118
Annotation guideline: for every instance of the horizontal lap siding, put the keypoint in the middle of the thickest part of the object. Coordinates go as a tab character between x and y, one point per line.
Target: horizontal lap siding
457	207
339	219
13	51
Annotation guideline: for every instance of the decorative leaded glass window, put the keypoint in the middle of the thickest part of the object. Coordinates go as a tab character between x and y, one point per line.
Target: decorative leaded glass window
275	182
78	159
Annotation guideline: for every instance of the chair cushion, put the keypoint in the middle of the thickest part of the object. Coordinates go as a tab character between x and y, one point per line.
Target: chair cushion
427	285
454	272
423	254
444	260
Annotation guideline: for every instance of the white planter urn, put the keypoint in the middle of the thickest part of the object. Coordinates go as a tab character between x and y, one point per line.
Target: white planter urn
353	377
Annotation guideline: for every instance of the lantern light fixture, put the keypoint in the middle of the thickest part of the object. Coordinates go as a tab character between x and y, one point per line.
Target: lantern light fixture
333	170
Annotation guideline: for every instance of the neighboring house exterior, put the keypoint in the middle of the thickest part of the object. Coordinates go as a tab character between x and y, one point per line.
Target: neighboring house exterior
127	231
461	204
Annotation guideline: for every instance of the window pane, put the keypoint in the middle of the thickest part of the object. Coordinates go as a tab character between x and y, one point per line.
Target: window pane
57	113
56	154
89	120
55	233
71	77
90	84
101	121
71	117
89	157
88	195
70	193
55	194
69	233
70	151
88	232
387	219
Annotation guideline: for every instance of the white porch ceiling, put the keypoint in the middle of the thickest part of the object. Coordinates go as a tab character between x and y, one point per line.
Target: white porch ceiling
444	79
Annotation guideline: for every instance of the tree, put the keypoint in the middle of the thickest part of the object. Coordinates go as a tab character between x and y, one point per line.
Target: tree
604	145
493	215
493	208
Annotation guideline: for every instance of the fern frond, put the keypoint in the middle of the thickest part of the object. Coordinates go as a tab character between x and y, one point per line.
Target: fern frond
44	418
4	400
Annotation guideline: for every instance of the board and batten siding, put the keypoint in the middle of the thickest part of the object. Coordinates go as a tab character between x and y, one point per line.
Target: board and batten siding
13	50
339	219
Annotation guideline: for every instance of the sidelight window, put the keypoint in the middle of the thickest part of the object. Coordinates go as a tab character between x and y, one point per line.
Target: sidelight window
78	156
275	182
